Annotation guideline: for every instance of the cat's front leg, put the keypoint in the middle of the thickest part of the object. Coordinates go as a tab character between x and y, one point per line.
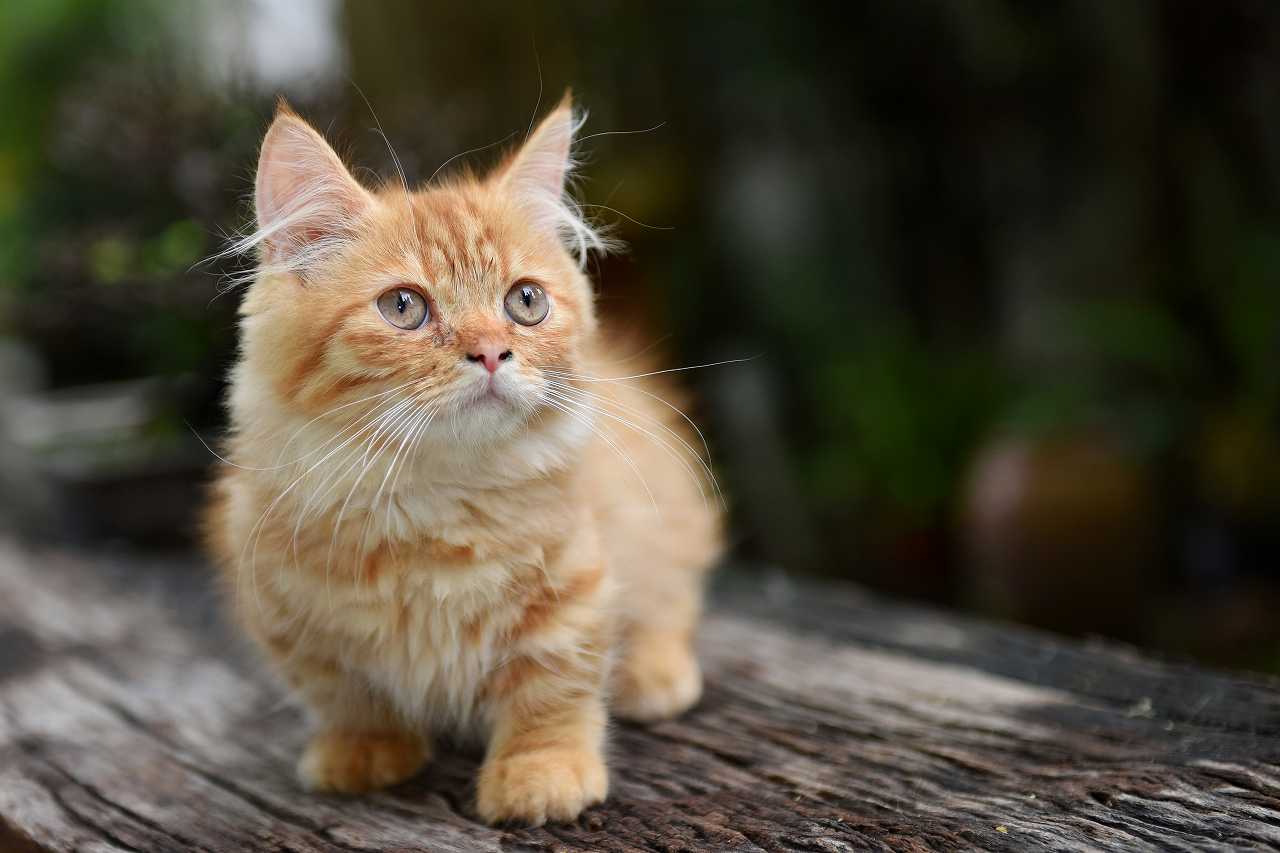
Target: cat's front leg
546	756
545	759
360	743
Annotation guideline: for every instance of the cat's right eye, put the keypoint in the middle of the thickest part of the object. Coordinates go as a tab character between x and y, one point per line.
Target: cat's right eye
403	308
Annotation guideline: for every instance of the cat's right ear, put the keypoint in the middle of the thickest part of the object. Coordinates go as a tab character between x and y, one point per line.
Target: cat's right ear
307	202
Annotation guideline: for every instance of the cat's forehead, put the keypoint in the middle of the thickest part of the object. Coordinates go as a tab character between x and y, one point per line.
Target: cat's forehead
455	234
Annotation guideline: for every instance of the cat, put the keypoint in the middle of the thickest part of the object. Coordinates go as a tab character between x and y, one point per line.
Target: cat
450	506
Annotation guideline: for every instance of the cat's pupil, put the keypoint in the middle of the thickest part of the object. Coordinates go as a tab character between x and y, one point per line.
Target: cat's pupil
526	296
402	301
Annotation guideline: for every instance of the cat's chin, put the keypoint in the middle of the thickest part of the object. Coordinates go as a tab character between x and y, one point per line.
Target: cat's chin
490	397
485	417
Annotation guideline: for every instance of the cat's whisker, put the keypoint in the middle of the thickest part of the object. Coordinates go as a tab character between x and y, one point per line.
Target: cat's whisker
391	429
601	399
633	356
394	158
708	473
372	418
392	469
402	435
657	439
333	477
398	462
631	218
621	132
255	531
659	399
413	449
554	400
586	378
328	482
475	150
340	408
225	461
343	470
359	454
333	474
651	419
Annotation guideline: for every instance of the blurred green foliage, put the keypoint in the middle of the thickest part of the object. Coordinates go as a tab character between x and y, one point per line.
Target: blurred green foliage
941	224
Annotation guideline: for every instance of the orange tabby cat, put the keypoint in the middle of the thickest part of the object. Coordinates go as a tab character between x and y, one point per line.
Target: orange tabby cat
445	508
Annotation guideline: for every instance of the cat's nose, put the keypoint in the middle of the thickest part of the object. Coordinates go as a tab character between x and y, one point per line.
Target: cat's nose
490	355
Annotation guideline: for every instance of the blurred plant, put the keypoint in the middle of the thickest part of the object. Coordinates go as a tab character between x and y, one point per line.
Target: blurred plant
114	169
900	422
945	226
41	45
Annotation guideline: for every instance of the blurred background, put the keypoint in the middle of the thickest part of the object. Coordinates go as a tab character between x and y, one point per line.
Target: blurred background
1010	269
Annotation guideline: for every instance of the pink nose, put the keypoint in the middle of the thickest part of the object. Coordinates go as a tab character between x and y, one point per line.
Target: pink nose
490	355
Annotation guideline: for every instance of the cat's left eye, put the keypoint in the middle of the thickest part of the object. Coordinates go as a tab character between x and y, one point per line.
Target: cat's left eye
403	308
527	303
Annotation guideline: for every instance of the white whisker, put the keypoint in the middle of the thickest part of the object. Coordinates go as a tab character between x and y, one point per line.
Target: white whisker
704	464
622	132
409	433
391	429
224	460
553	401
658	398
658	440
632	218
335	410
255	532
469	151
584	378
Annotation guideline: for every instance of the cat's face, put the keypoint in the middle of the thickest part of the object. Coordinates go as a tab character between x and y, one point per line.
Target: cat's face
460	304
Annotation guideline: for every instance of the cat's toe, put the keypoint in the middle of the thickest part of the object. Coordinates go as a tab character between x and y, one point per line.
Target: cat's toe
534	787
354	762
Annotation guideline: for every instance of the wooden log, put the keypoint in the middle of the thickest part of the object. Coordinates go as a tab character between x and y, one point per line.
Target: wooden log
131	719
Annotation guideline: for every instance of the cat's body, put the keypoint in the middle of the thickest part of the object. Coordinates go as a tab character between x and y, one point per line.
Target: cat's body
461	528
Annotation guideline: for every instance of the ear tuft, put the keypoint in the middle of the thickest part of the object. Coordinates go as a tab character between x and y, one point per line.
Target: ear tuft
283	108
306	201
537	178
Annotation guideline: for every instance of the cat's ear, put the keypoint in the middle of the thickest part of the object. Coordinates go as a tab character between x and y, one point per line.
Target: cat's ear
307	202
535	178
539	168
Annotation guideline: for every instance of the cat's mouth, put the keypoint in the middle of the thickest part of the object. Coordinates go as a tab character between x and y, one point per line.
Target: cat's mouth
487	392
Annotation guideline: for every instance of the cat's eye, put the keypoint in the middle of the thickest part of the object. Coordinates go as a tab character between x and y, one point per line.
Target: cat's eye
403	308
527	303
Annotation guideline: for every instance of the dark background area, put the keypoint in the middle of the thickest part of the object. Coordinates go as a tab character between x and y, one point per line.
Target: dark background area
1008	271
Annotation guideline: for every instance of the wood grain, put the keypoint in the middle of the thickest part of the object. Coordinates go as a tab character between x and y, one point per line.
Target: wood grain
132	720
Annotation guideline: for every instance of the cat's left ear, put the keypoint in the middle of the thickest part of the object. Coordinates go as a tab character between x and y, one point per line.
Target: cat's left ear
535	175
306	200
535	178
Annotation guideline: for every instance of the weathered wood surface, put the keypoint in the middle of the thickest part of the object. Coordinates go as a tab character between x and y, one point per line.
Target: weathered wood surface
130	720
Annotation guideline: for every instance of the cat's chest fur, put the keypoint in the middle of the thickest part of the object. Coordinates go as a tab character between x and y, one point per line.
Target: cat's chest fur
424	612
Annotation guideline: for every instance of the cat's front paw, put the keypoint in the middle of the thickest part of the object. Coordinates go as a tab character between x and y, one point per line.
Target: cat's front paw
350	762
546	784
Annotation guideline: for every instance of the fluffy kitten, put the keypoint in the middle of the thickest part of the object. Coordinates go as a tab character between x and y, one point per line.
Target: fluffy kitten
448	506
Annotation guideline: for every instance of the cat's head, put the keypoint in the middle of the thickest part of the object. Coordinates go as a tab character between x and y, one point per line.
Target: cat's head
466	298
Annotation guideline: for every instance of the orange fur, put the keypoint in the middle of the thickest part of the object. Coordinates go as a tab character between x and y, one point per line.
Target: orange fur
423	549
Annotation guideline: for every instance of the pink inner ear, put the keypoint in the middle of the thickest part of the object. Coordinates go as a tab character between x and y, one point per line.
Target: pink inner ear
305	194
